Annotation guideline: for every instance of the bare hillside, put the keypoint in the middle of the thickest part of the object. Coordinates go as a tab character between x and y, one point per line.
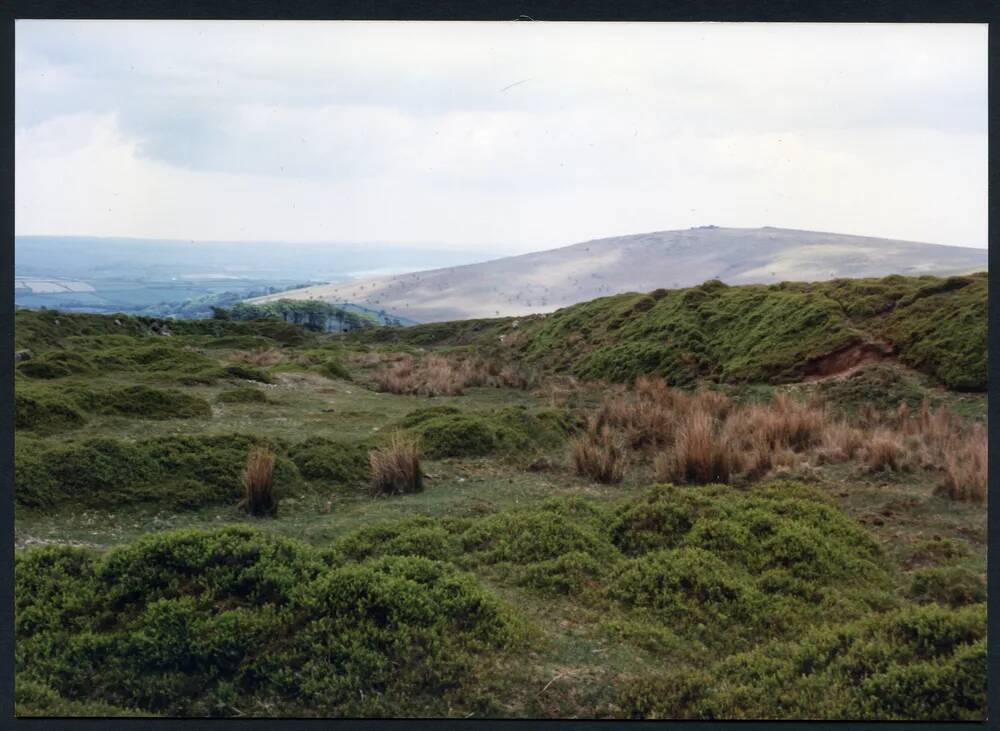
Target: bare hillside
547	280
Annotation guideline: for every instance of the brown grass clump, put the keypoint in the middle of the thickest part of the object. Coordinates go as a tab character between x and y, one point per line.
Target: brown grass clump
396	467
885	451
599	454
258	356
436	375
259	495
706	437
840	442
965	468
397	377
700	453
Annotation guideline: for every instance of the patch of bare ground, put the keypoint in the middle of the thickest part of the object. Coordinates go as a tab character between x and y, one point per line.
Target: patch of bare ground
842	363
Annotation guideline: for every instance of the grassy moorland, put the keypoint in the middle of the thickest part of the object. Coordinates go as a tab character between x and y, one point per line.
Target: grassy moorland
721	502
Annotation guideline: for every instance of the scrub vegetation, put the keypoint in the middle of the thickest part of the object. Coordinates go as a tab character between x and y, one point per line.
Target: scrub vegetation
762	502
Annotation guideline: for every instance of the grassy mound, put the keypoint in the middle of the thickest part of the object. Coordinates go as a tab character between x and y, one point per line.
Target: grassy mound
740	334
881	385
45	413
41	330
202	623
791	601
55	364
50	409
324	459
154	357
940	329
142	401
925	663
175	470
248	373
242	396
446	432
333	368
770	333
948	585
242	342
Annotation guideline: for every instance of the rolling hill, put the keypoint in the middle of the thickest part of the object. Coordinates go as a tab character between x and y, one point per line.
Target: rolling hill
548	280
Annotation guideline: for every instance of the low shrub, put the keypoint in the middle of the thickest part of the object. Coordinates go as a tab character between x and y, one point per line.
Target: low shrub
570	573
55	364
154	357
543	533
108	472
689	586
419	416
447	432
242	342
242	396
938	550
45	414
261	356
248	373
239	621
319	458
143	402
418	536
333	368
457	435
95	471
880	385
926	663
952	586
396	467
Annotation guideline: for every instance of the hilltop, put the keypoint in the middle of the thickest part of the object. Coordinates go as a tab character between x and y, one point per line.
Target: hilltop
547	280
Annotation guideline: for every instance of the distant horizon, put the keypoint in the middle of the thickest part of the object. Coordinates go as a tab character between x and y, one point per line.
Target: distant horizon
430	245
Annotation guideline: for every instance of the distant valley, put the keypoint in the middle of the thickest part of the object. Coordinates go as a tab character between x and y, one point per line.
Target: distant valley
174	278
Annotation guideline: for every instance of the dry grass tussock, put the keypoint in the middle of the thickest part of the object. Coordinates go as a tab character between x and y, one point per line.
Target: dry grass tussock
940	439
437	375
259	495
258	356
396	467
704	437
599	454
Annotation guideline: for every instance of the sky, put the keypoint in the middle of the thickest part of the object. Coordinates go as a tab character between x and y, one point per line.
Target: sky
505	137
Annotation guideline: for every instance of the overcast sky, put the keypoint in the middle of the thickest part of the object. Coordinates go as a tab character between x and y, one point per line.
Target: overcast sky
506	136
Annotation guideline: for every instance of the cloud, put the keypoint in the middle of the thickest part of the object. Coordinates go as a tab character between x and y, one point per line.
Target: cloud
525	135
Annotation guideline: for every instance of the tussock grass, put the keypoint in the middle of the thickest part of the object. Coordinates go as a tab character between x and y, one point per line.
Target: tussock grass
885	451
965	468
600	454
704	436
260	497
437	375
699	453
396	467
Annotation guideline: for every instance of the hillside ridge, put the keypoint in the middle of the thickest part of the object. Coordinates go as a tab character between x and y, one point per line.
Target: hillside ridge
545	281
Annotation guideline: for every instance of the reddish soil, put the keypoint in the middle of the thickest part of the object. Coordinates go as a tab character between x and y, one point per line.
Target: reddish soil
844	362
